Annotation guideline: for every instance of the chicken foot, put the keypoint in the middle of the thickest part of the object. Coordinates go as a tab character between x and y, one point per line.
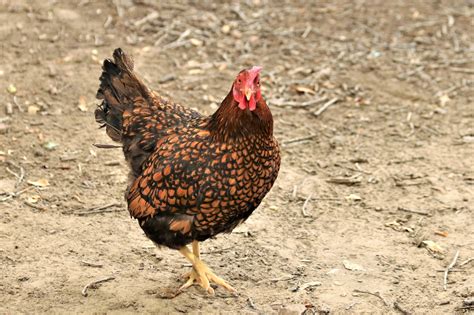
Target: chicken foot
201	273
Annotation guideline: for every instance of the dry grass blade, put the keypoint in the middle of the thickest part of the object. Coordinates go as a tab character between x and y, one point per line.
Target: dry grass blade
296	140
448	269
305	205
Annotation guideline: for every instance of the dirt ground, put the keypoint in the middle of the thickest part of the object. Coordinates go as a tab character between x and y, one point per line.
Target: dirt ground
375	193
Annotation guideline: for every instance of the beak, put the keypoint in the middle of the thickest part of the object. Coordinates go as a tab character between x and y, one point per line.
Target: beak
248	94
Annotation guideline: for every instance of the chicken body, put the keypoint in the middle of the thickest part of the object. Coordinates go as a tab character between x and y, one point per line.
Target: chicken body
192	177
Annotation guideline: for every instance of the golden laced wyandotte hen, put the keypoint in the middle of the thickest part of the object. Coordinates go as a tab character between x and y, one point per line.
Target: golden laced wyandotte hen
191	176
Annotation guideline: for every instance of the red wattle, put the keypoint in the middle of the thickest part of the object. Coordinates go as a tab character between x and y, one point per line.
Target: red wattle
252	103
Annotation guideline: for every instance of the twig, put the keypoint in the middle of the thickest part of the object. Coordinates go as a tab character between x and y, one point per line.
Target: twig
32	205
305	204
402	310
466	261
160	39
20	176
451	265
300	139
307	285
377	294
108	21
94	284
240	14
89	264
306	31
13	173
468	302
112	163
106	146
283	103
4	119
358	169
321	198
179	41
345	181
251	303
462	70
414	211
294	194
10	196
150	17
98	209
351	305
217	250
15	100
16	194
411	27
9	108
325	106
84	213
448	90
284	278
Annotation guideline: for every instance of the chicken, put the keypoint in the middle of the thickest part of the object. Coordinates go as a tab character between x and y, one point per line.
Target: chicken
191	176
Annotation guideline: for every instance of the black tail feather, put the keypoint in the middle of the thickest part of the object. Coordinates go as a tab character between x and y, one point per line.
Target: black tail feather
118	87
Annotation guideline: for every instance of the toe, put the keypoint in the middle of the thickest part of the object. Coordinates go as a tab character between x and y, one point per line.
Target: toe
219	281
203	281
192	277
187	284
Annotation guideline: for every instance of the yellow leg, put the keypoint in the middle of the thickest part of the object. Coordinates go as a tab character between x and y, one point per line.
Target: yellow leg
196	253
196	249
201	273
195	275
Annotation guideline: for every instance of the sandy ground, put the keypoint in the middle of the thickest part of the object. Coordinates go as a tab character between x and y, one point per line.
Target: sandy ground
375	194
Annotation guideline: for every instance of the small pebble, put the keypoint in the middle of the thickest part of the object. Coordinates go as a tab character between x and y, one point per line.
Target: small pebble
11	89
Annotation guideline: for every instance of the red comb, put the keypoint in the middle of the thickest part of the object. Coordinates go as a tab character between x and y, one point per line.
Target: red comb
255	70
